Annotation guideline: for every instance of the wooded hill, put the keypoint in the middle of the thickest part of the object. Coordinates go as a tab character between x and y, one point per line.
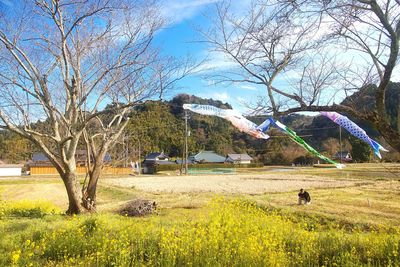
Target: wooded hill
164	122
159	126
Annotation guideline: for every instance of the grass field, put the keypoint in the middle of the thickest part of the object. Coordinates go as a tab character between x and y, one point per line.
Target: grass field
250	218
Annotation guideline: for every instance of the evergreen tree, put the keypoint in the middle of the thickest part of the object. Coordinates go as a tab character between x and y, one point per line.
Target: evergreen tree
361	151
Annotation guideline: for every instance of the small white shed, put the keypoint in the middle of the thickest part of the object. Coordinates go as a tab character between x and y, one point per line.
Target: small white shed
10	170
239	158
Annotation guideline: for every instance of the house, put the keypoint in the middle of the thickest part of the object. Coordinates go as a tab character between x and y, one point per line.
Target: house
10	169
152	160
157	156
81	157
343	156
207	157
40	159
190	160
238	158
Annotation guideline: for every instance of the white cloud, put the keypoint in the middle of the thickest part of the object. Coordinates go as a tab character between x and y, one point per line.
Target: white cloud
208	82
224	97
248	87
175	11
396	74
216	62
241	99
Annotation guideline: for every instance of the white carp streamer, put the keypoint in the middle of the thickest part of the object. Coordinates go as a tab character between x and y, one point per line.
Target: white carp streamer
231	115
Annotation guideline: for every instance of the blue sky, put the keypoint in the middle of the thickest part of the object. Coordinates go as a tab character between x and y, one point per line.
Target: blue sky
180	38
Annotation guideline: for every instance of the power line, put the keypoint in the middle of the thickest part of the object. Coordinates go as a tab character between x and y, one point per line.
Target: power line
320	128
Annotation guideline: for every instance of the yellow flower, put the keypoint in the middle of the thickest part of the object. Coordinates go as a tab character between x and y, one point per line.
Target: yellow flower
15	256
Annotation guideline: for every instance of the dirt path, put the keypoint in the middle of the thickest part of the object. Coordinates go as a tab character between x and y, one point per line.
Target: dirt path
238	183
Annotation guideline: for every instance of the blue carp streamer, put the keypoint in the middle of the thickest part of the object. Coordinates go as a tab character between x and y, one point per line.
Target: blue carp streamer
355	130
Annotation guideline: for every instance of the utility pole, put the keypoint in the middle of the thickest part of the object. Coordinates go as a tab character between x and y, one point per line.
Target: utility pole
139	163
186	142
340	142
124	146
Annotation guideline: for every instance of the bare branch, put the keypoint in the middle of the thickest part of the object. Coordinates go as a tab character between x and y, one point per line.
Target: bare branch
321	46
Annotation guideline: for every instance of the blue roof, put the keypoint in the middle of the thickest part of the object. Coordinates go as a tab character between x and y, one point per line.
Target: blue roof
209	156
107	157
39	156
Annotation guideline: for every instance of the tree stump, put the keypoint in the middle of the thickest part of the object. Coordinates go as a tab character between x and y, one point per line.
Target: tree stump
138	207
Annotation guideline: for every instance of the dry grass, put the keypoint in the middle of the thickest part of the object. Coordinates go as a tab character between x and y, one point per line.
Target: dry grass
359	194
230	184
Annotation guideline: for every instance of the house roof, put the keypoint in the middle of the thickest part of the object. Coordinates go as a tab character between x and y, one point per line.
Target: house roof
107	157
39	156
80	155
11	166
155	155
342	154
158	162
239	157
209	156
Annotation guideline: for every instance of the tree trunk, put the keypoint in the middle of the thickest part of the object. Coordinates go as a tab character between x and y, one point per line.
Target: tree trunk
89	197
74	194
391	136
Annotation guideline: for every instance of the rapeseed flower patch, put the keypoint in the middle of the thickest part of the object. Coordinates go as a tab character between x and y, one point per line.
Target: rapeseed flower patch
234	232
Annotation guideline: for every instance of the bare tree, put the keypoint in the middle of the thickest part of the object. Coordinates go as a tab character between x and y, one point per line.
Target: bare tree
321	50
62	62
107	128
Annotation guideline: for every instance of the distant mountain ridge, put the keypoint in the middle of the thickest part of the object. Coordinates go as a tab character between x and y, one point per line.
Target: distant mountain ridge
159	126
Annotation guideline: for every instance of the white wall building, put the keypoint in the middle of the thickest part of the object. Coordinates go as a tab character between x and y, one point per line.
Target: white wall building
10	170
239	158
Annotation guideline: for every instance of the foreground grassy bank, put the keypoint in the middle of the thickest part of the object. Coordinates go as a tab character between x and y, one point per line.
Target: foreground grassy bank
226	232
